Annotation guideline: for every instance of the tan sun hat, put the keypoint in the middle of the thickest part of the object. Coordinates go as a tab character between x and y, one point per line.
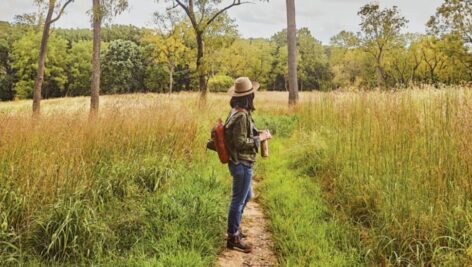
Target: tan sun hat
243	86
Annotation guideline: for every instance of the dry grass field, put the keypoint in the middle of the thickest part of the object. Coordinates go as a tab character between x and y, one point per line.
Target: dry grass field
390	175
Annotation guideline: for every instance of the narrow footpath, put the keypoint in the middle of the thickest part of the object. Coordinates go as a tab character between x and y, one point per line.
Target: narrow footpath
255	226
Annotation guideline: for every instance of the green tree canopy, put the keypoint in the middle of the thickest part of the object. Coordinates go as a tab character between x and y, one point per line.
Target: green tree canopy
80	68
314	71
24	57
122	67
453	16
380	29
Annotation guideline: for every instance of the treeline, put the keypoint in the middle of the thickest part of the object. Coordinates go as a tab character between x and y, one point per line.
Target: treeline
163	59
142	60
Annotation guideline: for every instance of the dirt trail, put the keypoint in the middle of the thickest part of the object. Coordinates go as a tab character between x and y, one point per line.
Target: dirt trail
254	224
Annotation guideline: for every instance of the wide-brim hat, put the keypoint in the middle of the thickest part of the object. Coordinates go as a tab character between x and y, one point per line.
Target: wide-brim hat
243	86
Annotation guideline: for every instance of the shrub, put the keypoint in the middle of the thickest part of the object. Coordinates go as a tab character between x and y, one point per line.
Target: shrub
220	83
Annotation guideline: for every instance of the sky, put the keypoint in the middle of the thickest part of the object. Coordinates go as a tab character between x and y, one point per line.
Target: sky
324	18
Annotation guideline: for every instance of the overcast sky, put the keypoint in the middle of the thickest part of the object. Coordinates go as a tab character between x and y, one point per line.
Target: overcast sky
324	18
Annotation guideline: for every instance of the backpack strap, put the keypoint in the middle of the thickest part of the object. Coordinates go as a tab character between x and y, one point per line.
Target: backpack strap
233	112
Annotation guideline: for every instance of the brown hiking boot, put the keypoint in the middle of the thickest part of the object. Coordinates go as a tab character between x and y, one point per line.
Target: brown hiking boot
235	242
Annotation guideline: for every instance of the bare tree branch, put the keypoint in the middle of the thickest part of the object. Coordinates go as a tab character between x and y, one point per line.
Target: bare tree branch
202	15
174	5
189	11
61	11
235	3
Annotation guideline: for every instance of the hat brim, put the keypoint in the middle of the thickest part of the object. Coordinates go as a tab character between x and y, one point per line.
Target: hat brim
233	93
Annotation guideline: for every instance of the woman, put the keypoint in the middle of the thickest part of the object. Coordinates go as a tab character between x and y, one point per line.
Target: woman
242	139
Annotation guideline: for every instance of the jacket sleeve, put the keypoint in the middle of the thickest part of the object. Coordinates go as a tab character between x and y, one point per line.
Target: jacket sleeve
239	133
256	132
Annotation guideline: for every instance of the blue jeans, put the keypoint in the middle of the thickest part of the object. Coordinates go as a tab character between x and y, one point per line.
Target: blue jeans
242	176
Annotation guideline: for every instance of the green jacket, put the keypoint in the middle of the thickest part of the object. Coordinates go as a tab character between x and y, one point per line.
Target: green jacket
239	136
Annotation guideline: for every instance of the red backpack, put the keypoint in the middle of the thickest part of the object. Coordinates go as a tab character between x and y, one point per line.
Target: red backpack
217	142
218	137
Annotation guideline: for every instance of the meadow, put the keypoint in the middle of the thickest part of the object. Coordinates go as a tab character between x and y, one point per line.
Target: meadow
354	179
133	187
397	166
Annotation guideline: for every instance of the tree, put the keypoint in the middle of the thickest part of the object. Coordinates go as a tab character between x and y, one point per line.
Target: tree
397	63
95	84
313	64
9	34
350	64
453	16
278	74
30	21
80	68
205	14
314	71
345	39
431	49
122	32
220	35
154	74
252	58
168	42
343	47
380	29
24	60
446	59
75	35
351	67
459	60
101	9
6	92
43	49
292	53
122	67
415	55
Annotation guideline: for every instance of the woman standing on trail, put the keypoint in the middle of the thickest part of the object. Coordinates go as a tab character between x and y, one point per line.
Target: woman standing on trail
242	140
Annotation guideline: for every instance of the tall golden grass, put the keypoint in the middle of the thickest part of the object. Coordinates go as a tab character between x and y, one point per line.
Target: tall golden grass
64	179
63	156
398	165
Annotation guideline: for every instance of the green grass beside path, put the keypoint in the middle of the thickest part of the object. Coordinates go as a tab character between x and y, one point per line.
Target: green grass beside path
304	230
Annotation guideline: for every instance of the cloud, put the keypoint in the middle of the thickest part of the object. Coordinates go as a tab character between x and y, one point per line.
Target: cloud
324	18
263	13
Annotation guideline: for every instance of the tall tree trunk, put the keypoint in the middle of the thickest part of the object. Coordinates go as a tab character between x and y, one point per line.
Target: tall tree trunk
200	70
95	87
413	74
171	78
380	78
41	61
292	53
380	73
432	75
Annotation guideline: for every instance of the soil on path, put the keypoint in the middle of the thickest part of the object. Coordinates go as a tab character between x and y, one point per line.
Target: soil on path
254	225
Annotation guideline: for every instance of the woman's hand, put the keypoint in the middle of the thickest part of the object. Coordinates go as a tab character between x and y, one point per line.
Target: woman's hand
265	135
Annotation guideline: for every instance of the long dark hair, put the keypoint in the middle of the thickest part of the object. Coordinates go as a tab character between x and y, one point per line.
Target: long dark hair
246	102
